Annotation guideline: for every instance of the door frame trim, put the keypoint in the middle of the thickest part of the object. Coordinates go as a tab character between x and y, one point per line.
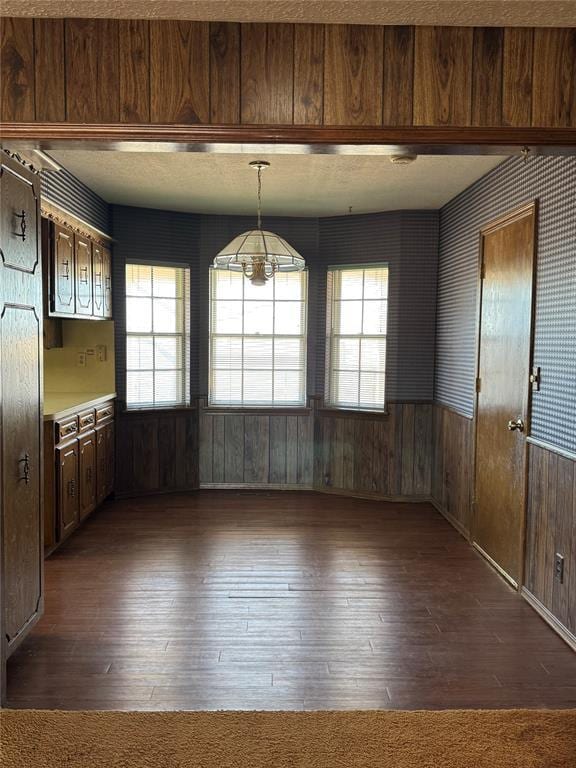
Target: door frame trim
515	214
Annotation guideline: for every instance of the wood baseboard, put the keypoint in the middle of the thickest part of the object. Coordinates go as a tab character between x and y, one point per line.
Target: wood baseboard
371	496
549	618
462	530
255	487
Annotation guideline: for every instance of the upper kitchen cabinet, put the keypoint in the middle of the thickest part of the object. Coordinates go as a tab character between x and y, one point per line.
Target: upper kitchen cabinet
78	272
84	281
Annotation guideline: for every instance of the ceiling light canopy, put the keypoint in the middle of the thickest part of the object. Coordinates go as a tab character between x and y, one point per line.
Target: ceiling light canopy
259	254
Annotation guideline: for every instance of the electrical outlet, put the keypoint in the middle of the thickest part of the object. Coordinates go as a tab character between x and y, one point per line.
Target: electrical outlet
559	567
81	359
101	353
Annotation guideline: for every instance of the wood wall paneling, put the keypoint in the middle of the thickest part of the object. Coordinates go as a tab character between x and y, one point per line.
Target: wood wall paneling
17	69
452	462
50	65
551	528
308	74
179	72
92	66
398	92
442	76
134	52
554	99
161	71
353	74
256	449
487	76
156	452
224	73
517	76
387	456
267	74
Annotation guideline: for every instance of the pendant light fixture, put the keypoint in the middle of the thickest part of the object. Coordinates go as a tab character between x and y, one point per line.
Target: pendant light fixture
259	254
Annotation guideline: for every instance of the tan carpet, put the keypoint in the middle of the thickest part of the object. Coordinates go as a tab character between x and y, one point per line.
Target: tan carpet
449	739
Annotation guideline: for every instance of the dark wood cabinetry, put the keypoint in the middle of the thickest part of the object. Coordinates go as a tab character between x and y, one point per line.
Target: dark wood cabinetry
83	272
79	468
87	473
20	404
78	273
67	487
62	272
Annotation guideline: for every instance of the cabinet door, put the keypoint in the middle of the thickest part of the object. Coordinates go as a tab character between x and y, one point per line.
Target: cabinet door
68	491
87	473
101	464
62	272
107	272
83	252
98	280
20	403
110	453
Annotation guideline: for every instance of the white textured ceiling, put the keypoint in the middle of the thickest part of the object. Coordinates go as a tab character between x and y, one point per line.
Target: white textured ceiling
531	13
294	185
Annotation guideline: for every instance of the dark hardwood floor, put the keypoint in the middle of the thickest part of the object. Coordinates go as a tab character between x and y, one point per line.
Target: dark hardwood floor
254	600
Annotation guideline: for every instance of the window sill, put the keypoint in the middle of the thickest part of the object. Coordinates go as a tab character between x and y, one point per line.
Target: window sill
282	410
353	413
157	409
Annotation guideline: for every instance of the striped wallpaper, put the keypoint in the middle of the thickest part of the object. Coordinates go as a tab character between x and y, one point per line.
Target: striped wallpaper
64	189
552	181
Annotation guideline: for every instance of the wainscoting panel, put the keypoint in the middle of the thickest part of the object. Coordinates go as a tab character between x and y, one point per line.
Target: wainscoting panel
105	71
452	466
259	449
551	529
376	455
156	452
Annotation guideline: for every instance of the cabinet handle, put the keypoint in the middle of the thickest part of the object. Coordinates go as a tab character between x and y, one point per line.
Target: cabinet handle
22	233
108	282
85	271
26	469
66	274
71	488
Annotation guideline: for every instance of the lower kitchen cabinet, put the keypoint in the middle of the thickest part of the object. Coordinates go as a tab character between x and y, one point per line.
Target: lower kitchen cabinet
67	507
78	468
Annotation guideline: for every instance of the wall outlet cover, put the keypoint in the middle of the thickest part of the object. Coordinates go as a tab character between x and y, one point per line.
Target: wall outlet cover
81	359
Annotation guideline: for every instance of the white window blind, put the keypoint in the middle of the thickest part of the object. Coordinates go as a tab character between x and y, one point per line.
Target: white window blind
257	340
357	311
157	336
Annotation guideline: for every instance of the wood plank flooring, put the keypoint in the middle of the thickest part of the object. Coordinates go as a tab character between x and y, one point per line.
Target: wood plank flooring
281	600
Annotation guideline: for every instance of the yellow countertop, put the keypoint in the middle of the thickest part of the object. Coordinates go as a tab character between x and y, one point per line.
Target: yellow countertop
58	405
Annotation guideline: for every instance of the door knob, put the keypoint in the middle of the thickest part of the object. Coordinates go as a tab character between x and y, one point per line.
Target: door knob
516	424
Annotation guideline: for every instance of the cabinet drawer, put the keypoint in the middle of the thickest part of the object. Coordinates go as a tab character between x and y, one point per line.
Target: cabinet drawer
104	412
66	428
86	420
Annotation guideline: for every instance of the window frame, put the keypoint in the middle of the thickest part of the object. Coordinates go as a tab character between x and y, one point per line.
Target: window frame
260	407
183	336
329	404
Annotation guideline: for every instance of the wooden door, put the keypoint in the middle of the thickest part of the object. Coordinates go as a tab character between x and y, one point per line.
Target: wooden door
21	474
502	413
62	276
83	271
107	273
87	473
68	491
97	280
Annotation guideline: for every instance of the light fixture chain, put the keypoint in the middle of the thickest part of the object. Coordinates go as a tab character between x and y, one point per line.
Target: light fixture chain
260	197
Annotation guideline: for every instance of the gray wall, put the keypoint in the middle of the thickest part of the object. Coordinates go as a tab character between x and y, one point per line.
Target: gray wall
406	240
552	181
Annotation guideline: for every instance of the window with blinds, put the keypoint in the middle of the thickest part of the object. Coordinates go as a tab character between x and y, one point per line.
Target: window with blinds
357	311
157	336
257	340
